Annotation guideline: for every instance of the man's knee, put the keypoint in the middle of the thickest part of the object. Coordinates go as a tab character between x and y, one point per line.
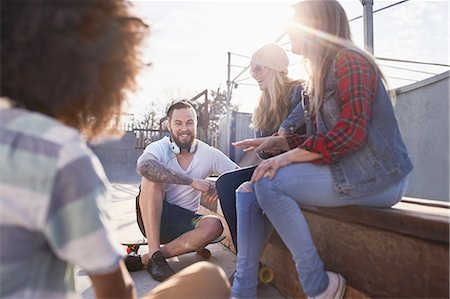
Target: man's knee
216	228
245	187
212	227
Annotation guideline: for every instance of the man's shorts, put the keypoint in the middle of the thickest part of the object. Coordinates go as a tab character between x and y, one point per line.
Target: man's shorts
175	220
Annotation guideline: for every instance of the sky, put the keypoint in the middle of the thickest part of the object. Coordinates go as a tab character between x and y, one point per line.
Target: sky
189	42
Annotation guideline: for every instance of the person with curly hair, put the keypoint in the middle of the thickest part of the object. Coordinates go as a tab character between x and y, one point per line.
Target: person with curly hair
65	69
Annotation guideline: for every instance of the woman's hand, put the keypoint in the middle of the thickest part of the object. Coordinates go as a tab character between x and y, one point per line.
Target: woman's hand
249	144
272	144
268	168
282	132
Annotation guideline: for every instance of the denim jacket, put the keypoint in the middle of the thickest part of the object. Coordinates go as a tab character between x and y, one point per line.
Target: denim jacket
382	161
296	118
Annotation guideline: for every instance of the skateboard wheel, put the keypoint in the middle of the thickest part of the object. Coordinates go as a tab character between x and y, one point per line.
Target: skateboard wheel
132	248
204	253
266	275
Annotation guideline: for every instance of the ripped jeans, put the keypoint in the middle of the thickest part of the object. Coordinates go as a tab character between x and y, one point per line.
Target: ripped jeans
276	204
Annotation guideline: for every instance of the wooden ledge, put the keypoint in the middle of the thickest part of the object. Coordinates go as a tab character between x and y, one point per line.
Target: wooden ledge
398	252
426	219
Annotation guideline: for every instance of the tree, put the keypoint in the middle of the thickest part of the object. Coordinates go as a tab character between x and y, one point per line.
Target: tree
150	117
209	113
219	108
147	125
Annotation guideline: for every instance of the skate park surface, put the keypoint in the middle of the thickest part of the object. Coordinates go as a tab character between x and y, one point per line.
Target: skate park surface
122	211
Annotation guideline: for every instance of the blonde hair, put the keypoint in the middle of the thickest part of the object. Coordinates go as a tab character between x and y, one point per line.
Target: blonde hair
274	104
328	34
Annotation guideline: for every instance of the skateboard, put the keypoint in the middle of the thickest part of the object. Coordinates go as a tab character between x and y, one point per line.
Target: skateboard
133	247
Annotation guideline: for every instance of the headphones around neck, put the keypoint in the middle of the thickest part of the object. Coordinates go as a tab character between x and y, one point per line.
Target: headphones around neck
176	149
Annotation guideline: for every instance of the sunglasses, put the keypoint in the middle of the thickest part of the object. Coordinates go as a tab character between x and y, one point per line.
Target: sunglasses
257	69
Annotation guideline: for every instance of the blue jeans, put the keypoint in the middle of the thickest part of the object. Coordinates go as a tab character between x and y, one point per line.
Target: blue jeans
276	204
226	186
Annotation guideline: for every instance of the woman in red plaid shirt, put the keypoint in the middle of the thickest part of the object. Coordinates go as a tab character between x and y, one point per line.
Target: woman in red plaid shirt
352	154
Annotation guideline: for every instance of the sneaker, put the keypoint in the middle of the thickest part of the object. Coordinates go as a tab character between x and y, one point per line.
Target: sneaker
335	289
158	267
133	262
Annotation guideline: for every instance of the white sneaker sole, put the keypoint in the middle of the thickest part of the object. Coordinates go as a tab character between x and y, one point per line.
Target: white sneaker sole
340	292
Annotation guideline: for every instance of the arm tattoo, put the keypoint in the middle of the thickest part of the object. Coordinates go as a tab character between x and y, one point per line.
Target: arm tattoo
156	172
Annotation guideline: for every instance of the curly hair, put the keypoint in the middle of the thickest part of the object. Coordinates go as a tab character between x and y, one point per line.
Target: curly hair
71	60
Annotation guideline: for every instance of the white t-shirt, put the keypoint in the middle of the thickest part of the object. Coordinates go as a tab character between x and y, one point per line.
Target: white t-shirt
206	161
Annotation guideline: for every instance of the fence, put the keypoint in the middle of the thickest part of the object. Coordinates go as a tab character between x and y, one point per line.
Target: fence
146	136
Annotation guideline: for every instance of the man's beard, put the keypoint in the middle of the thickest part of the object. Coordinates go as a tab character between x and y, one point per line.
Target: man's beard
183	145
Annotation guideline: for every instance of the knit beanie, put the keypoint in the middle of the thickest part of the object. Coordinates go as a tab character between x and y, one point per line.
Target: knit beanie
271	56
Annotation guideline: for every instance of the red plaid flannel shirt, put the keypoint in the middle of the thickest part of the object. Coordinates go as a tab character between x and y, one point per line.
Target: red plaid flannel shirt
355	92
